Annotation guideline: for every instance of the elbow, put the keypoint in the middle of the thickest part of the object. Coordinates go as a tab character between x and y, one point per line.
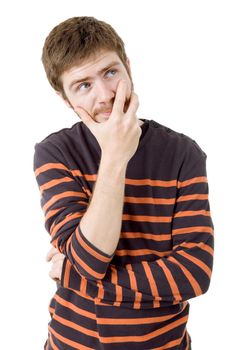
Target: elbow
205	285
90	276
88	260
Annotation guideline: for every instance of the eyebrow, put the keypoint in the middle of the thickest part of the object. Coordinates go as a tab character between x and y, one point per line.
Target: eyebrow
114	63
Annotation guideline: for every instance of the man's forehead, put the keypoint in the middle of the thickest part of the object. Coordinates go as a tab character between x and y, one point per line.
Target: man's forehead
94	63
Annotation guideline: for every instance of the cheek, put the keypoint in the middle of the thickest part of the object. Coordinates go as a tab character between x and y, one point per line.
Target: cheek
84	102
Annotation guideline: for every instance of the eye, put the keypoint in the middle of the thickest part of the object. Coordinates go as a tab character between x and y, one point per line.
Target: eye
83	86
111	72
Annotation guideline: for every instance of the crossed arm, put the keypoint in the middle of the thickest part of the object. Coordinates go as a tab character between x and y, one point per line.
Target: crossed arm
56	259
182	275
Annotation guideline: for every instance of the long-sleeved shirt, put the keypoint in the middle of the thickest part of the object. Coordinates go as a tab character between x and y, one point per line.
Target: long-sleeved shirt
136	298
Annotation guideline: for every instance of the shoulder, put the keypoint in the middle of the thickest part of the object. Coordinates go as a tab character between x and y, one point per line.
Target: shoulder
61	136
178	143
55	146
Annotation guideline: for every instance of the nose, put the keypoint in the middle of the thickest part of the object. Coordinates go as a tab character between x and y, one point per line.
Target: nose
104	92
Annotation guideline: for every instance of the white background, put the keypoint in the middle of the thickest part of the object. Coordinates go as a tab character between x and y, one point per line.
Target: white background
181	57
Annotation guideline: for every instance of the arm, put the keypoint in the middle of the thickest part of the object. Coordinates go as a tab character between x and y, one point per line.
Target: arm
101	223
90	249
186	272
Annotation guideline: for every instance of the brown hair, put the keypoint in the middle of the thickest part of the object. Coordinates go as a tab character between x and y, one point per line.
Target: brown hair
73	41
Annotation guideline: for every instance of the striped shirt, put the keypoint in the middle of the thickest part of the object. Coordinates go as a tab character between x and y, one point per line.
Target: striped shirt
136	298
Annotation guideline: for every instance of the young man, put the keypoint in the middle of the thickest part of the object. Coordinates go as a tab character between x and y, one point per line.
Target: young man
125	202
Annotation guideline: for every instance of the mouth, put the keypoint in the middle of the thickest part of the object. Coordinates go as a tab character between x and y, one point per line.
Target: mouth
107	113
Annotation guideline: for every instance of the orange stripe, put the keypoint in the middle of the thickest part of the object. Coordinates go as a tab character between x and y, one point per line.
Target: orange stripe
52	213
136	182
75	308
137	321
146	218
196	261
164	330
88	177
87	191
53	183
66	273
150	182
192	197
152	283
191	213
153	236
83	285
90	250
93	177
68	341
195	285
87	268
148	336
134	287
141	182
62	195
68	218
114	280
192	229
50	166
100	291
52	343
82	202
192	181
75	326
171	281
172	343
138	252
149	200
201	245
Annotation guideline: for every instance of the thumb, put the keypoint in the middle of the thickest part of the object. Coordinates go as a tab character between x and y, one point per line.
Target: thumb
84	116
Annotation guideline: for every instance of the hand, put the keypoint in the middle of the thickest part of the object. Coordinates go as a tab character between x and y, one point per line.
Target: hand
119	136
57	261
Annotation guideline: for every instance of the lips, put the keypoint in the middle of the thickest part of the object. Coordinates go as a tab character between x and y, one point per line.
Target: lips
107	112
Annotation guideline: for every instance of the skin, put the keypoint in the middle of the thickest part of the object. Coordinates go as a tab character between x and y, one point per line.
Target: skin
95	97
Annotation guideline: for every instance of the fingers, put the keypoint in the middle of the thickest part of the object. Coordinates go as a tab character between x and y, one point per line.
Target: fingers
51	253
119	102
54	255
57	259
133	105
56	270
85	116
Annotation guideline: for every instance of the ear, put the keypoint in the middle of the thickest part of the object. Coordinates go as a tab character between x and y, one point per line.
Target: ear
129	67
66	101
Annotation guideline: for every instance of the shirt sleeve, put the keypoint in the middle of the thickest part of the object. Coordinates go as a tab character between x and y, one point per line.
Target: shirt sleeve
186	272
64	202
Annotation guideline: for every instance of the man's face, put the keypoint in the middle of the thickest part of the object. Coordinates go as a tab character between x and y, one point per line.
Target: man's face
93	84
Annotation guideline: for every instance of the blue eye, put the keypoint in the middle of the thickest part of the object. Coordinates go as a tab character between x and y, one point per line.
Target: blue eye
111	72
85	85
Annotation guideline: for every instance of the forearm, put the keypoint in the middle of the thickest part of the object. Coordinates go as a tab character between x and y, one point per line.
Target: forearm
101	223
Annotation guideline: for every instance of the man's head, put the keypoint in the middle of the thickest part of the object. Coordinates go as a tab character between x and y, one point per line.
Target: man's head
84	59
